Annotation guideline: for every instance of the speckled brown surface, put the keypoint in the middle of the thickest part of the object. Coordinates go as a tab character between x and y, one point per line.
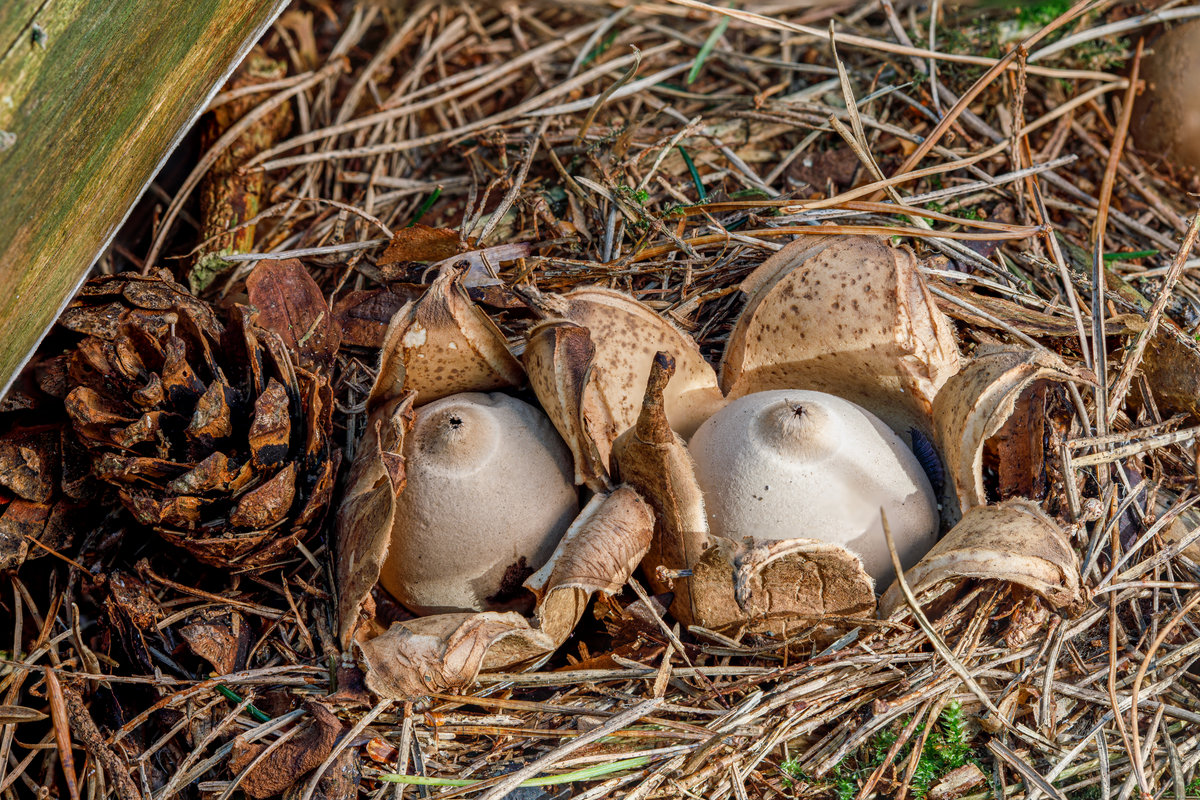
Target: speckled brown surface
1166	116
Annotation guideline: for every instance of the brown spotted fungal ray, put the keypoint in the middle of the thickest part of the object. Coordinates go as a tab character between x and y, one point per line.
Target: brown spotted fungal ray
847	315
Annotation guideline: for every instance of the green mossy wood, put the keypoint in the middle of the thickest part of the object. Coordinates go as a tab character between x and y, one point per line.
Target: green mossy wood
94	94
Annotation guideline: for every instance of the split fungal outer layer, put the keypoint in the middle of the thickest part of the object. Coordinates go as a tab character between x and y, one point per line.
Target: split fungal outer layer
974	405
446	651
589	360
1013	542
748	583
443	344
801	464
848	315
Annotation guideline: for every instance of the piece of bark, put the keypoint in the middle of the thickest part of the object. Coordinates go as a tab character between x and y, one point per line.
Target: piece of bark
286	764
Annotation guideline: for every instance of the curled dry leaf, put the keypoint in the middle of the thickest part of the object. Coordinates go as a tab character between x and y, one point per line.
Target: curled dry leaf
1014	542
445	652
443	344
976	403
762	585
220	636
365	315
625	335
850	316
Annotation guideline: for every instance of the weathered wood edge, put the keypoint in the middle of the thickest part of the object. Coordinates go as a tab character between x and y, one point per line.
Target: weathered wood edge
11	369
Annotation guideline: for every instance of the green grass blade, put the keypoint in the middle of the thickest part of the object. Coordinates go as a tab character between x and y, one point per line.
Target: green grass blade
426	204
706	49
691	165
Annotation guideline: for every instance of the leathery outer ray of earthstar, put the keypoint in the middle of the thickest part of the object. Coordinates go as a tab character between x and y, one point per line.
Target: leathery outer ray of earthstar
847	315
607	379
443	344
558	360
747	584
1013	542
974	405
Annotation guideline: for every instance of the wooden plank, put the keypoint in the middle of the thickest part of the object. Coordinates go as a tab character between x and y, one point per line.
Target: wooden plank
94	94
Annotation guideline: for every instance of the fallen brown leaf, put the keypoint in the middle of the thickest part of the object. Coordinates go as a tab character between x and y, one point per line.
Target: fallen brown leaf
286	764
420	243
290	303
364	315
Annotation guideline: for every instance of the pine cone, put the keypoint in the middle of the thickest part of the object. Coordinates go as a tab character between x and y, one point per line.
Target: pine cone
45	475
44	490
216	436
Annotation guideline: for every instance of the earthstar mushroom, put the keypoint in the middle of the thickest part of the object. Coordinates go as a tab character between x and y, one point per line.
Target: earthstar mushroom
793	464
489	494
